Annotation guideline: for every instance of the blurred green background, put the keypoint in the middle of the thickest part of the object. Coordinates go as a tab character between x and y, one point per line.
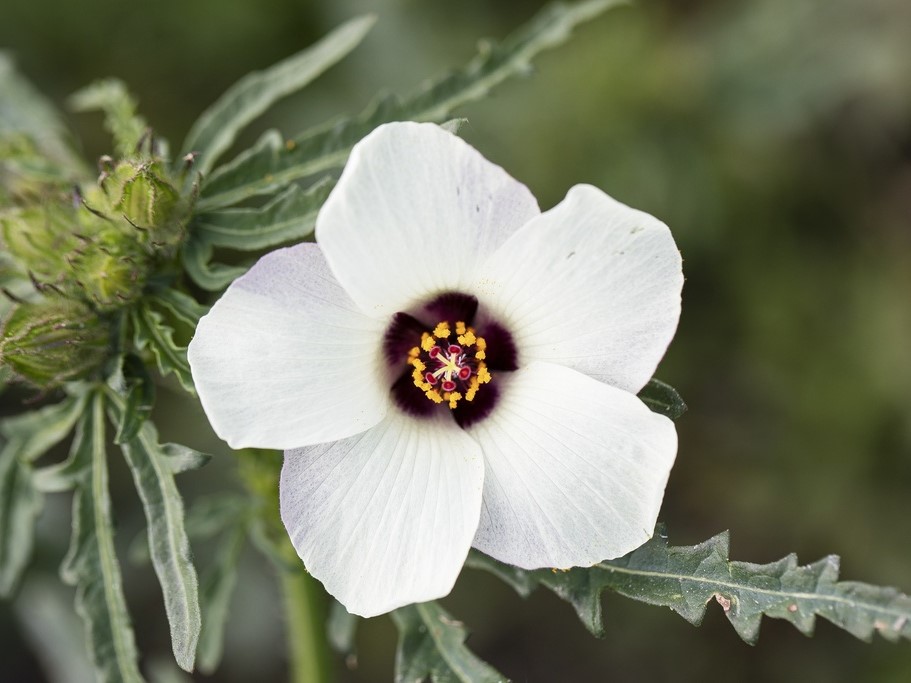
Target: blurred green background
773	136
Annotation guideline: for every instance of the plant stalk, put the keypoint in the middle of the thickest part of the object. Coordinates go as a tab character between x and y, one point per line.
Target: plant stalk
305	612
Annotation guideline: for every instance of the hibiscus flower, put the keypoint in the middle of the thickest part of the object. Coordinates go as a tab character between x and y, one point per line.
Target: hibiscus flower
449	367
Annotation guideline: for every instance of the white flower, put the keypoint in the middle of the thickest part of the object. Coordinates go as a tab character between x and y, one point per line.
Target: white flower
519	433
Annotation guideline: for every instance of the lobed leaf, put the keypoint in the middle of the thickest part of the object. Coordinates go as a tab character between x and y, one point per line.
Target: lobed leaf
273	162
91	564
290	216
432	646
151	331
212	277
184	307
153	473
215	130
687	578
37	431
662	398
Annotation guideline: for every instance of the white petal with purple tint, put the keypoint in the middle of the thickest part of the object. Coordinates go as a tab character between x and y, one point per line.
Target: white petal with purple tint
285	358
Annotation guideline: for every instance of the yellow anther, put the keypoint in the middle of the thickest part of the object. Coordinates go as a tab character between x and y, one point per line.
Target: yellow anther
483	374
472	389
418	364
454	398
467	339
441	331
414	353
481	355
480	343
427	342
434	396
460	328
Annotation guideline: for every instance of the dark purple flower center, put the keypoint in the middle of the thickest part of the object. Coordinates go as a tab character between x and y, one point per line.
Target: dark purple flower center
451	363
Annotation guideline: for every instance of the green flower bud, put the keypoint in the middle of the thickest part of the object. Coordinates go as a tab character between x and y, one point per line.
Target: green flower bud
39	237
54	341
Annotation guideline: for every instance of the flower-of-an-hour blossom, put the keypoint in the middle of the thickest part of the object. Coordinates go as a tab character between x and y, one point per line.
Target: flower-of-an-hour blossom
449	367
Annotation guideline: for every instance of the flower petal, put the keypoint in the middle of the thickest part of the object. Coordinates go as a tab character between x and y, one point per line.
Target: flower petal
575	470
591	284
286	359
385	518
414	211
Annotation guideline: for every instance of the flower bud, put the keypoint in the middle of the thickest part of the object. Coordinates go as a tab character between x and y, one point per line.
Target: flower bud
54	341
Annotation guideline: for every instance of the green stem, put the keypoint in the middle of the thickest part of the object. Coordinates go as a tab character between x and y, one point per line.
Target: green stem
305	612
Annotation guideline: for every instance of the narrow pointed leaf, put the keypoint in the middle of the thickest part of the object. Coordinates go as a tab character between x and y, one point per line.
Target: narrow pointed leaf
38	430
243	102
20	505
169	546
135	385
663	399
120	117
183	306
688	578
290	216
213	277
91	564
275	163
151	331
432	647
24	110
216	592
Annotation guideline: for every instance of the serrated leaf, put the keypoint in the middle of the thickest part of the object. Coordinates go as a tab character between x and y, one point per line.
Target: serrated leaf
687	578
663	399
215	130
150	331
169	546
120	118
91	564
24	110
217	590
290	216
432	646
183	306
20	505
213	277
274	163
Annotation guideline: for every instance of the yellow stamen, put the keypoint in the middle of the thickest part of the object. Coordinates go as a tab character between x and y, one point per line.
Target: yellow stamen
454	399
472	389
427	342
483	374
460	328
434	396
414	353
418	364
481	344
441	331
467	339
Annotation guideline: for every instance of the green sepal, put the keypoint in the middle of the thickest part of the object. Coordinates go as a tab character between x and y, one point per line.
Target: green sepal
432	646
687	578
274	163
663	399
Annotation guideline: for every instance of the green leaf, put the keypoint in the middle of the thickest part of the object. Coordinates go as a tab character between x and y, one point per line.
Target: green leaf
217	590
183	306
212	277
687	578
20	505
91	563
153	474
274	163
38	430
662	398
290	216
150	330
243	102
341	629
432	645
134	383
24	110
112	97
